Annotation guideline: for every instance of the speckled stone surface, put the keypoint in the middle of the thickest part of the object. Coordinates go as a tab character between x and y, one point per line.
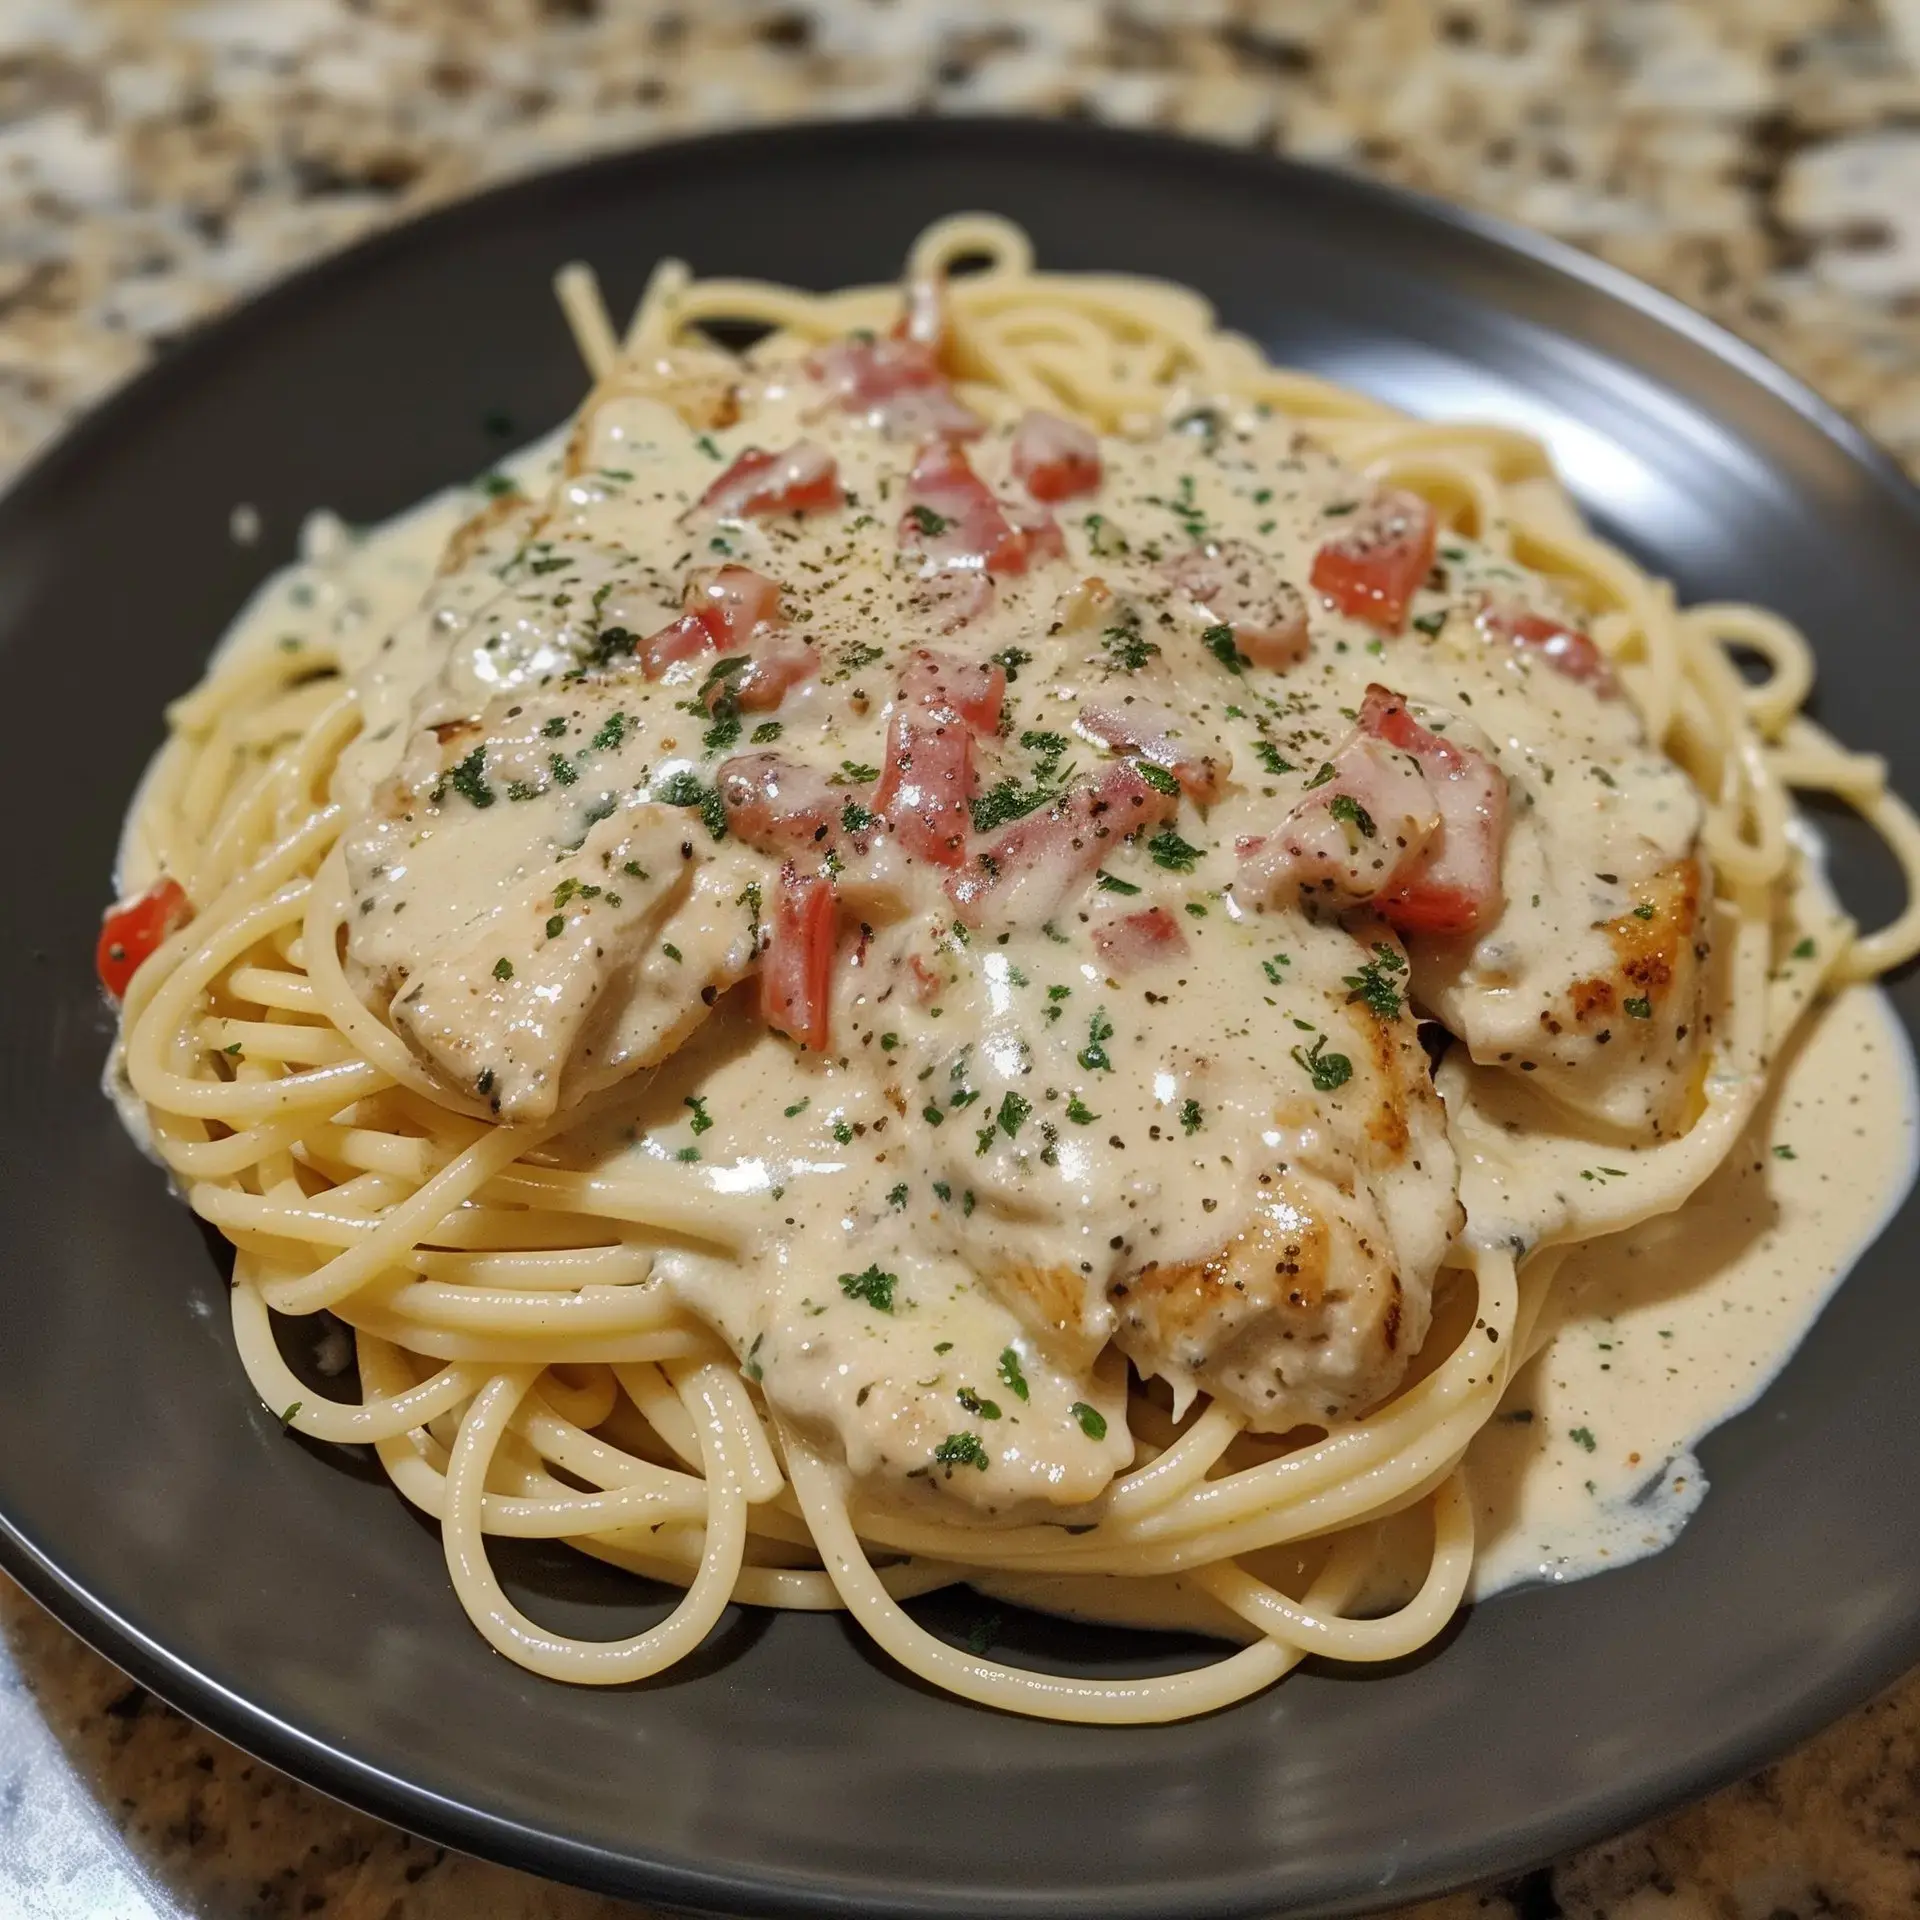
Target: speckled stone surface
1759	158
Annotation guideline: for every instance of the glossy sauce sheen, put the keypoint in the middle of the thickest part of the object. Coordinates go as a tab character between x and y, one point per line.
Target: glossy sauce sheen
1034	1138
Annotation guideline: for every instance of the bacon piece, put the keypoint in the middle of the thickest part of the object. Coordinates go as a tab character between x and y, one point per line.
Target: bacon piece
1354	833
1038	864
132	930
1565	649
783	662
928	776
803	479
1055	459
953	518
682	639
778	805
952	599
1235	585
970	690
1454	885
1150	730
1138	940
897	386
796	970
724	609
925	784
1378	562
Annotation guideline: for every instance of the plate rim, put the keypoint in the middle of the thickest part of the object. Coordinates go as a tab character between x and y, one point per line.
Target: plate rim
365	1785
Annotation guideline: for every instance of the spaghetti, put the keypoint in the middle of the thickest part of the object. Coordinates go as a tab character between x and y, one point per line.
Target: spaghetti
552	1308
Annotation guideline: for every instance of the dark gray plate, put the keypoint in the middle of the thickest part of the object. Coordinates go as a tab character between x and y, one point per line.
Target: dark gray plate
293	1602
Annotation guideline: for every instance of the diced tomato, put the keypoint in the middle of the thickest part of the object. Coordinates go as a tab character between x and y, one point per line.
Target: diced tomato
1454	886
1055	459
1235	585
724	608
1151	731
133	929
778	805
1373	569
953	518
803	479
1040	863
926	782
1564	648
797	968
897	385
970	690
1138	940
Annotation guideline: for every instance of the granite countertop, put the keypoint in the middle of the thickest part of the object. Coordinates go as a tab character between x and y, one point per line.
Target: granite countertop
1758	158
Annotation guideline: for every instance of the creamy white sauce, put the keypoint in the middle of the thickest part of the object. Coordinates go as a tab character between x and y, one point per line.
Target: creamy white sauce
810	1152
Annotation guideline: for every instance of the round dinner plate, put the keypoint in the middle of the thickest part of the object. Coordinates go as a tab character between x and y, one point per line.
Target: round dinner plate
285	1596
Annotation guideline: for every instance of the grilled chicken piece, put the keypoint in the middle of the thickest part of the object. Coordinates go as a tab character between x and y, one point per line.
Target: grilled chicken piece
536	927
1300	1316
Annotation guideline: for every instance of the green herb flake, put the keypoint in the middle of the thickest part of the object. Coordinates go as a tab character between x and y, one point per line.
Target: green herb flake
1191	1118
1583	1437
503	968
1640	1007
1093	1056
873	1286
1326	1070
702	1119
1010	1375
986	1409
1218	641
960	1450
1014	1109
1107	882
1168	850
1343	806
1093	1423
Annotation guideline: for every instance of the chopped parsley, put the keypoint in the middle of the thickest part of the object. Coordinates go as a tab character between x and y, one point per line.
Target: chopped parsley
1014	1109
1011	1377
1106	880
858	773
1157	777
873	1286
1218	641
1269	757
1080	1113
1010	660
1640	1006
1325	774
702	1119
1093	1423
503	968
1343	806
1170	851
1805	950
556	925
1374	985
1326	1070
960	1450
928	522
1127	647
1784	1152
1191	1118
468	779
687	789
1005	801
986	1409
1093	1056
897	1196
1583	1437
